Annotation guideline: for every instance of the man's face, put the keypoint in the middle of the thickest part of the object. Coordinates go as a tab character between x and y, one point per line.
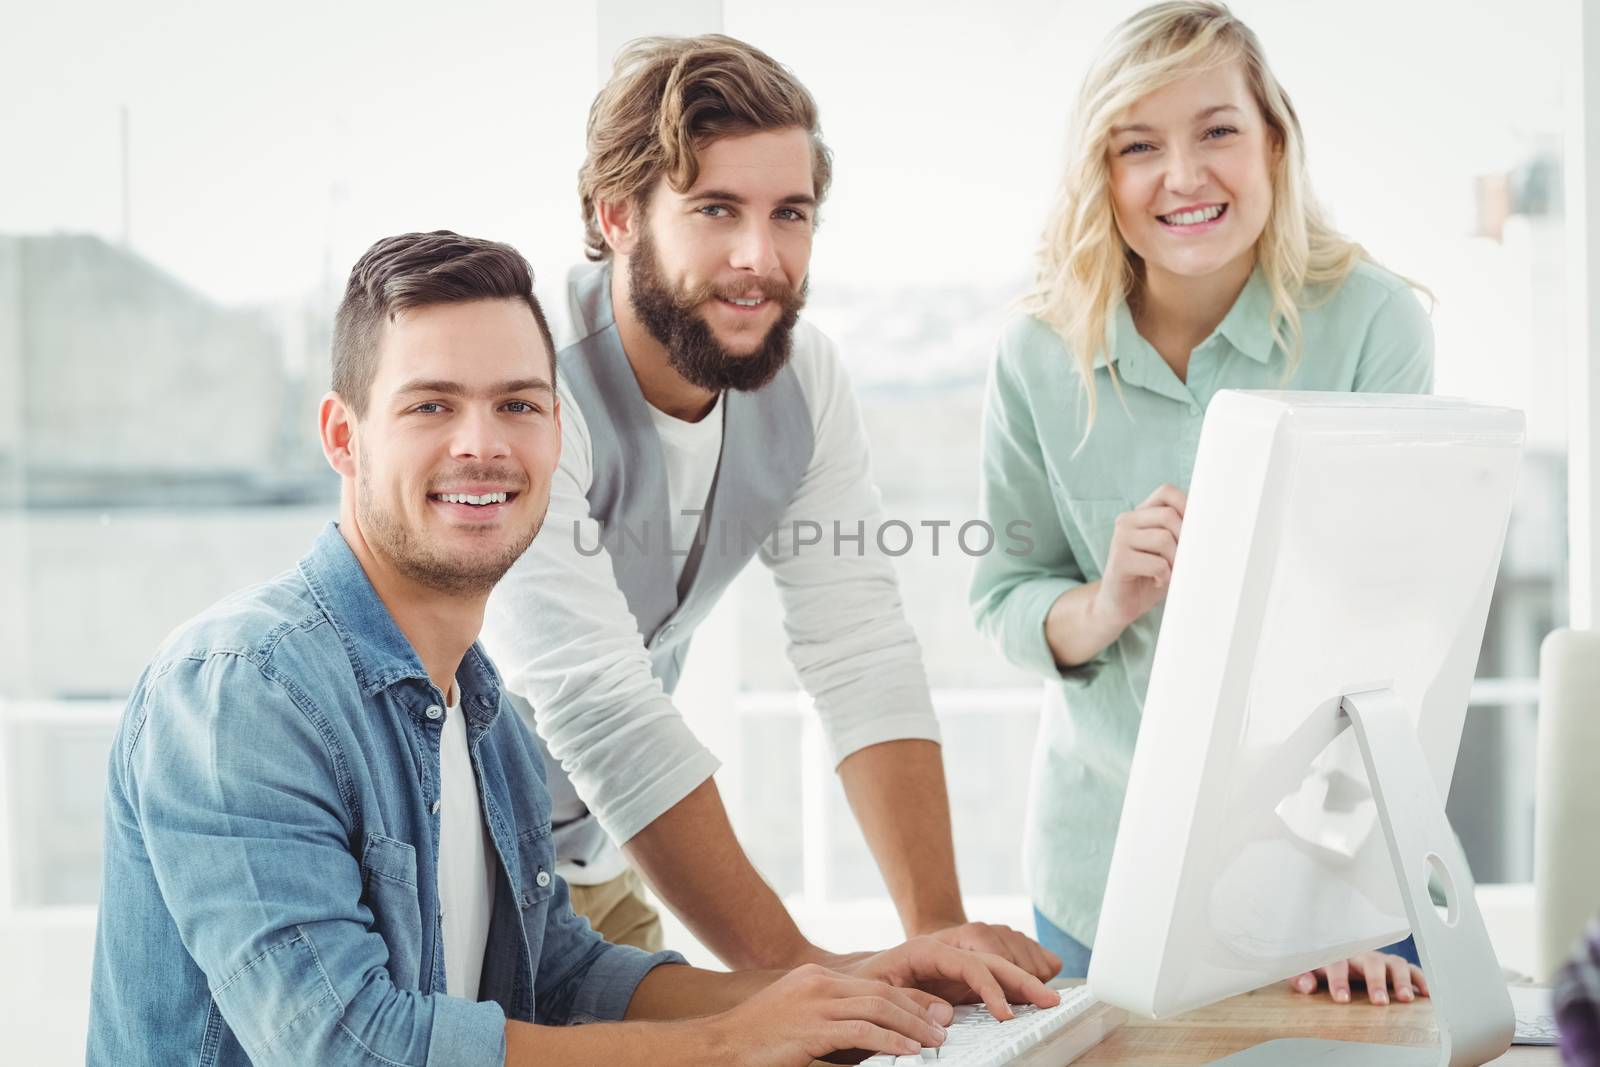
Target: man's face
461	436
718	275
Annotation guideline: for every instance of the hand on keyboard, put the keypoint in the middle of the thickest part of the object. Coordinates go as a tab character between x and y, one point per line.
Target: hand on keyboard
872	1004
975	1038
990	938
1000	941
812	1011
930	964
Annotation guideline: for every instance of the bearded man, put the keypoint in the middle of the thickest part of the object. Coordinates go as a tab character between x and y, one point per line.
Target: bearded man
708	424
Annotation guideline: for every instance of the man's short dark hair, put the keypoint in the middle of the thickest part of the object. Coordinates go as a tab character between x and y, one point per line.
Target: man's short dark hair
417	270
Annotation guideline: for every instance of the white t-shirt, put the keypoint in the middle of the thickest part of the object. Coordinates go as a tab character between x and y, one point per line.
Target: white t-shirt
691	451
466	859
560	631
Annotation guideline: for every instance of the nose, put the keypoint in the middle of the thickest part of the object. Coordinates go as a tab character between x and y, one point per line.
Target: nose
479	435
1185	173
754	249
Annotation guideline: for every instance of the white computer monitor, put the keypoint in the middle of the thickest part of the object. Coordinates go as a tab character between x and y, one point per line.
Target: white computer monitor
1336	563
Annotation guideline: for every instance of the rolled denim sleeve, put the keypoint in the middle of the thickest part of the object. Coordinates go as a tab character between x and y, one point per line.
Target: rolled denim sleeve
583	978
1014	588
244	800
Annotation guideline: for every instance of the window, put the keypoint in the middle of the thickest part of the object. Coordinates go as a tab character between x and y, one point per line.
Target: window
183	194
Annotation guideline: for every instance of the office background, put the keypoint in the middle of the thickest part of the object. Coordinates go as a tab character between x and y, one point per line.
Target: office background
184	186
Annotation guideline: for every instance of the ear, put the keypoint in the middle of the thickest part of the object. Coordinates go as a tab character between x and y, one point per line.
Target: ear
560	437
336	425
620	221
1276	141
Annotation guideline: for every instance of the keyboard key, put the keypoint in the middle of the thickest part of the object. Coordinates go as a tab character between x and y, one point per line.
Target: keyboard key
975	1038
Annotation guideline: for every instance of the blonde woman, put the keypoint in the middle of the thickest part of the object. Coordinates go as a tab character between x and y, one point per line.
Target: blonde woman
1186	255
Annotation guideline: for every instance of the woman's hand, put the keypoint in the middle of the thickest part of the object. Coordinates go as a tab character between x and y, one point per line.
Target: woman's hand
1378	971
1086	619
1139	565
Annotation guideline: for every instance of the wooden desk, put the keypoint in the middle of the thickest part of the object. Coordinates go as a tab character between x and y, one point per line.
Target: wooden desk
1235	1024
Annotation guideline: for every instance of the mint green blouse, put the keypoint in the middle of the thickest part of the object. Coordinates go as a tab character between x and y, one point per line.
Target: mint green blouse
1371	335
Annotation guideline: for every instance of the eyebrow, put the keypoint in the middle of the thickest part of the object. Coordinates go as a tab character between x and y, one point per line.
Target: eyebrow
1199	116
793	199
449	388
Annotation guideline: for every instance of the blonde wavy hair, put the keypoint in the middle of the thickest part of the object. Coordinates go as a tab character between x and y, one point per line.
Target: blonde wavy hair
1085	267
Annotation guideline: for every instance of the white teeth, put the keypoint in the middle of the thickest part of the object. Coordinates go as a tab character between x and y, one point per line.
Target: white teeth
469	498
756	302
1191	218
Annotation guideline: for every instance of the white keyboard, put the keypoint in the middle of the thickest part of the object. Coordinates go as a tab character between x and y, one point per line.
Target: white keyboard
976	1038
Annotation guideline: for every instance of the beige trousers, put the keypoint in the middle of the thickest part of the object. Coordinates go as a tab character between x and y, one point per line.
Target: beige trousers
619	912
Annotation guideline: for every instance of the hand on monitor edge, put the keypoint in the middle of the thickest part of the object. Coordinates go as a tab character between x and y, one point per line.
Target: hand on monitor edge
1378	971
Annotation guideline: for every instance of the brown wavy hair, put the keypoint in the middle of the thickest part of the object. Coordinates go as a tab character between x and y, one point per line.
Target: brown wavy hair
669	97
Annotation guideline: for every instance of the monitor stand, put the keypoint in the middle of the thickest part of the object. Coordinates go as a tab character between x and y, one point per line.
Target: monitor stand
1470	1003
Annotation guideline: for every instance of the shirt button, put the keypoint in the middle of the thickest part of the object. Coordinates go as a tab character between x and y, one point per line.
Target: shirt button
434	711
543	879
435	808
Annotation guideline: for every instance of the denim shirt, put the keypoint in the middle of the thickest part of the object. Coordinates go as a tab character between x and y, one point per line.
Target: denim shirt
270	889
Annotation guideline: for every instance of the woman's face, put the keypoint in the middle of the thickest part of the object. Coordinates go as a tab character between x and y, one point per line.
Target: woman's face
1191	175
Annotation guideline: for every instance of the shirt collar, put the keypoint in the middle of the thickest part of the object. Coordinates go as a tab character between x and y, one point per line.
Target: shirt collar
1247	327
379	653
1248	324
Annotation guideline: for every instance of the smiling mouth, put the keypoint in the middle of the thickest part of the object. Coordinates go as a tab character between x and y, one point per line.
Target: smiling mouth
476	500
1195	217
743	303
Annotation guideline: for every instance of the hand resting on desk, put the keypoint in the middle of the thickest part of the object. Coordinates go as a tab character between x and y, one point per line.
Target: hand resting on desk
1376	970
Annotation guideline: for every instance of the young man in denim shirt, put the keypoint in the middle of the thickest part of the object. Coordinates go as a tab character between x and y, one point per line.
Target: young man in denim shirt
326	840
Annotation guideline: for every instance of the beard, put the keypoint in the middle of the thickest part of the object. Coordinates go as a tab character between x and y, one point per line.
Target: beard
670	314
411	553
